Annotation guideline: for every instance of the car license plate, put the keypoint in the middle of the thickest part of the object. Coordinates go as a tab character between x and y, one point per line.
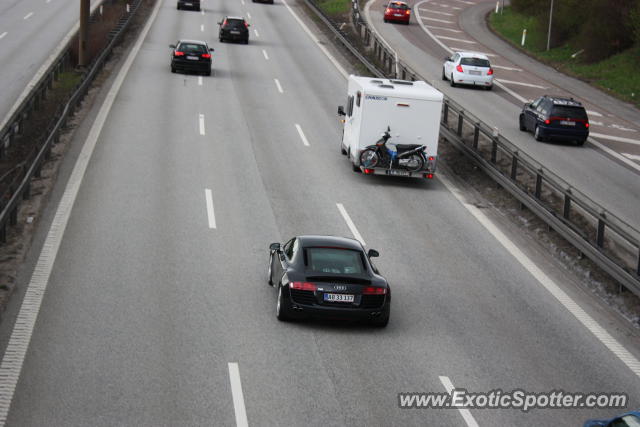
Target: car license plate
567	123
398	172
397	14
235	32
338	297
188	4
474	73
192	58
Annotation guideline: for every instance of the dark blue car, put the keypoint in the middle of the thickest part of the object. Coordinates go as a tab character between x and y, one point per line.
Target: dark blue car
630	419
554	118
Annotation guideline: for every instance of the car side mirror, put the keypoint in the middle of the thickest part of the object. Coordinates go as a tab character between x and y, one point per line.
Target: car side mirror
172	46
248	25
372	253
219	22
274	246
448	59
211	49
341	111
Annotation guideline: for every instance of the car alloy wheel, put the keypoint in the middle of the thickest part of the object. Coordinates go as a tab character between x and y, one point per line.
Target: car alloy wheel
537	135
453	84
444	77
281	311
269	281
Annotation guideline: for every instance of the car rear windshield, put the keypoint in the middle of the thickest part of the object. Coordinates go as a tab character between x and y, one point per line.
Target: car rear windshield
192	48
477	62
235	23
334	261
398	6
572	112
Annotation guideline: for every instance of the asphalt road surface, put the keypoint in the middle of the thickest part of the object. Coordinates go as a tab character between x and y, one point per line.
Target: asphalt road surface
157	299
606	168
30	30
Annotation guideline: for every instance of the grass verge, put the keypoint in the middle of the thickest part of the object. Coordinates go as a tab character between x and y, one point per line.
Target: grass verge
616	75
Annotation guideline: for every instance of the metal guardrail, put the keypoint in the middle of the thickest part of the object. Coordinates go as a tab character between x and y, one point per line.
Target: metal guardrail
608	241
21	185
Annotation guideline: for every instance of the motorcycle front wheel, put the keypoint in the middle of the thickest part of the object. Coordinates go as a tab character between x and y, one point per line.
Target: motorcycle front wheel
369	158
413	163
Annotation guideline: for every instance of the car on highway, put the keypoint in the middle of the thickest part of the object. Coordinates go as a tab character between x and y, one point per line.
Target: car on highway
263	1
555	118
629	419
191	55
468	68
397	11
328	277
234	28
189	4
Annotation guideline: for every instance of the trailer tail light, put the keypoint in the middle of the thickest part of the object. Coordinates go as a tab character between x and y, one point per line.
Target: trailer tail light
369	171
374	290
459	68
206	55
303	286
178	53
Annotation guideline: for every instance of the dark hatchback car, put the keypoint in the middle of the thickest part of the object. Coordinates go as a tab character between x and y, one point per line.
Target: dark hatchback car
551	118
189	4
191	55
329	277
234	28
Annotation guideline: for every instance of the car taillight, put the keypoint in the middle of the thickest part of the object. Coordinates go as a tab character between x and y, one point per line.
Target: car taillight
490	72
373	290
246	25
431	158
408	12
387	11
369	171
459	68
428	175
224	23
303	286
206	55
546	122
586	124
177	53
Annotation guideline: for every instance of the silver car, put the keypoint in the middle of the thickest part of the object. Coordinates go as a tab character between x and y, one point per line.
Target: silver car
468	68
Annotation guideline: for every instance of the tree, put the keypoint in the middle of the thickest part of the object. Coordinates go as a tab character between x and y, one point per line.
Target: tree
606	30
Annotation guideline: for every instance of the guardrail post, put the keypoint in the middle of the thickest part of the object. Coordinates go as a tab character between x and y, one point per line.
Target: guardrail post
514	166
445	114
600	232
494	150
638	269
476	135
13	217
566	211
27	191
460	122
538	189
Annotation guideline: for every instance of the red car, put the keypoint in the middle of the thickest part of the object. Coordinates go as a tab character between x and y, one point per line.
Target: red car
397	11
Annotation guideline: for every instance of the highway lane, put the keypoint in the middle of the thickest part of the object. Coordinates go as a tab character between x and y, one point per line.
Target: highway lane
613	184
147	304
29	31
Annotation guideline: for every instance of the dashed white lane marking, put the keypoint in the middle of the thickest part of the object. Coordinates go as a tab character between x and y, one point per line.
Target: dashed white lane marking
256	31
438	20
594	113
202	12
569	304
511	82
202	27
48	1
445	28
238	397
264	52
595	123
466	414
248	15
199	80
350	223
502	67
436	12
622	128
28	15
242	1
465	2
615	138
317	41
18	345
3	34
201	123
278	85
211	217
459	49
632	156
456	40
302	137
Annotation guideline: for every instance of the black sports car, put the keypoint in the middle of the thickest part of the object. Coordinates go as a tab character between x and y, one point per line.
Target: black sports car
326	276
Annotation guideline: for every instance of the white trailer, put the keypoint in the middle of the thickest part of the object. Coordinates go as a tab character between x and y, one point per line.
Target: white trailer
411	110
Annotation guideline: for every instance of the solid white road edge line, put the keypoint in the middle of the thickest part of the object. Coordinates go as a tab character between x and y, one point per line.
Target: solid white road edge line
466	414
278	85
613	153
201	123
14	355
316	41
594	327
631	156
264	52
238	398
350	223
302	137
210	212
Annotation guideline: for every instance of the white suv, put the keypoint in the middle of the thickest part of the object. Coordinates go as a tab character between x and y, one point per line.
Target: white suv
468	68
